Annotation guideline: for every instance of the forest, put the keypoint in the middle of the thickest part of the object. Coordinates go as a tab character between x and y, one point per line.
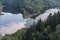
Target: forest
48	29
42	30
28	6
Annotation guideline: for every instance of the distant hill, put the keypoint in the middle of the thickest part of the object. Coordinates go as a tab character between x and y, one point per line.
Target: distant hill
28	6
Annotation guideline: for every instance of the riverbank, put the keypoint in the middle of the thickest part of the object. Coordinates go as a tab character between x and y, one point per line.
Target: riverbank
46	14
43	16
29	15
42	12
11	28
17	25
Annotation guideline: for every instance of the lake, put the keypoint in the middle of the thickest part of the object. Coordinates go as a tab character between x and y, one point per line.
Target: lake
10	23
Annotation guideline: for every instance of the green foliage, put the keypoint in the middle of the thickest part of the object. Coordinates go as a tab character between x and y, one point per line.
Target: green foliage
47	30
29	6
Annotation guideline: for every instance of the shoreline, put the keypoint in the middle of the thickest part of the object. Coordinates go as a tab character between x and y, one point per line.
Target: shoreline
13	27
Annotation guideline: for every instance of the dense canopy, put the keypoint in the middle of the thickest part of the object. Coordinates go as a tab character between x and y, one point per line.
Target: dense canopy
47	30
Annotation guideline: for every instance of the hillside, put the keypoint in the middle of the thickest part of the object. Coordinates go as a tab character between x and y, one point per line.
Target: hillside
28	6
47	30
